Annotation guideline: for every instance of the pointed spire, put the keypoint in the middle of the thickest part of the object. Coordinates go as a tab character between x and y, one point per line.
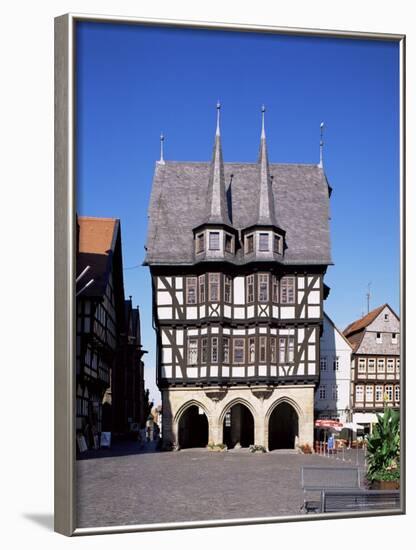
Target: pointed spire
217	210
321	146
162	139
266	215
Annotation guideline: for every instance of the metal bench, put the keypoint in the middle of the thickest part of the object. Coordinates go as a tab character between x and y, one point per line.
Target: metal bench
348	500
315	480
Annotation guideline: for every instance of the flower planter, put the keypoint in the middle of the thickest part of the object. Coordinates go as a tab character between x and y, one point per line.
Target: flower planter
385	485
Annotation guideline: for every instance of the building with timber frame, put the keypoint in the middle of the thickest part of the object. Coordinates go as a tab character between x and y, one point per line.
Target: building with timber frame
237	254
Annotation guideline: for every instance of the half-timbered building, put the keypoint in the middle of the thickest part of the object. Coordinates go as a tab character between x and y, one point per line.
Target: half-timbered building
375	365
109	373
237	254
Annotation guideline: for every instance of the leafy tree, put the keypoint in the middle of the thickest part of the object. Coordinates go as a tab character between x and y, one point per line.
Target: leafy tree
383	447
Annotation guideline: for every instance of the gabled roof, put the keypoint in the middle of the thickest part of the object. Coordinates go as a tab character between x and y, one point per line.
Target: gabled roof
328	318
356	330
178	203
97	241
364	321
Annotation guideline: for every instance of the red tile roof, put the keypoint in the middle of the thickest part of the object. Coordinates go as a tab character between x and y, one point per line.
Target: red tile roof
364	321
97	238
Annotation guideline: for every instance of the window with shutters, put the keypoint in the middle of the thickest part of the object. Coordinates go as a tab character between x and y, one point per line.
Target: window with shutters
191	283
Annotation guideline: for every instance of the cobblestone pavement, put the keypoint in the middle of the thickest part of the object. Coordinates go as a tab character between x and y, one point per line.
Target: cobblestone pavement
131	487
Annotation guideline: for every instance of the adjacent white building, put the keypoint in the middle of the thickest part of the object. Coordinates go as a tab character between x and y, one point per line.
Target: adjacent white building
332	397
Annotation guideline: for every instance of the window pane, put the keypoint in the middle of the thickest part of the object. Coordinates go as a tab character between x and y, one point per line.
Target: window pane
249	244
239	350
201	289
282	350
263	287
191	290
200	243
192	351
214	349
250	289
252	350
204	350
214	240
227	289
287	290
263	241
228	243
226	350
214	287
263	349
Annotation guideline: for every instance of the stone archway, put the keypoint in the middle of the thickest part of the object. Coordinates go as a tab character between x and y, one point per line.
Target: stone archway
193	428
238	426
283	427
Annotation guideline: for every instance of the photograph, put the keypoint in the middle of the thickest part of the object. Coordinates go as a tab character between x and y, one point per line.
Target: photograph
237	244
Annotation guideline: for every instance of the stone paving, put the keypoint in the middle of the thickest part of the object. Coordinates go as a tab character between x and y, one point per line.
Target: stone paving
126	485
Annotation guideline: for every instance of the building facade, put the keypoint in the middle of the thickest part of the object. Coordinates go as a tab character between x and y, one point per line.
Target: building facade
375	366
332	398
237	254
109	370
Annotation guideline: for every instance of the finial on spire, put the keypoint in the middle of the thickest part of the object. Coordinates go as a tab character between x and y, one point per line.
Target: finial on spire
321	146
263	133
218	118
162	139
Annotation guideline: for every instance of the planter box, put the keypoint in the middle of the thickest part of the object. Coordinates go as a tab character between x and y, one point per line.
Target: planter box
385	485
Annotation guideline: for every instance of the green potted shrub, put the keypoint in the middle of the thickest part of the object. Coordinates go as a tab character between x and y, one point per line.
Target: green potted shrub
383	451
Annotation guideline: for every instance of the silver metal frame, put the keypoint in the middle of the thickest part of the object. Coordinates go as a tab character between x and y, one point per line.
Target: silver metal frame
65	204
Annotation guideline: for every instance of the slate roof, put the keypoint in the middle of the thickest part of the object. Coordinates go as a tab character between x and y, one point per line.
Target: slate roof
178	203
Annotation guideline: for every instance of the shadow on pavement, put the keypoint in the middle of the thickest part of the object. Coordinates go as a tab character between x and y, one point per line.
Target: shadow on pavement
121	448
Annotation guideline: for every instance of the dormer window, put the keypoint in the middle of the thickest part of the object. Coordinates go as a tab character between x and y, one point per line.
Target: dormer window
263	242
386	316
394	338
276	244
200	243
249	244
379	338
228	244
214	240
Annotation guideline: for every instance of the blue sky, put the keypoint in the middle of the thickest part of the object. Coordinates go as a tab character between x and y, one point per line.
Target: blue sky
134	82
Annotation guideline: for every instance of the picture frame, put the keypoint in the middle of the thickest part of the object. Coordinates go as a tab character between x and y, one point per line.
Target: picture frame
65	260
